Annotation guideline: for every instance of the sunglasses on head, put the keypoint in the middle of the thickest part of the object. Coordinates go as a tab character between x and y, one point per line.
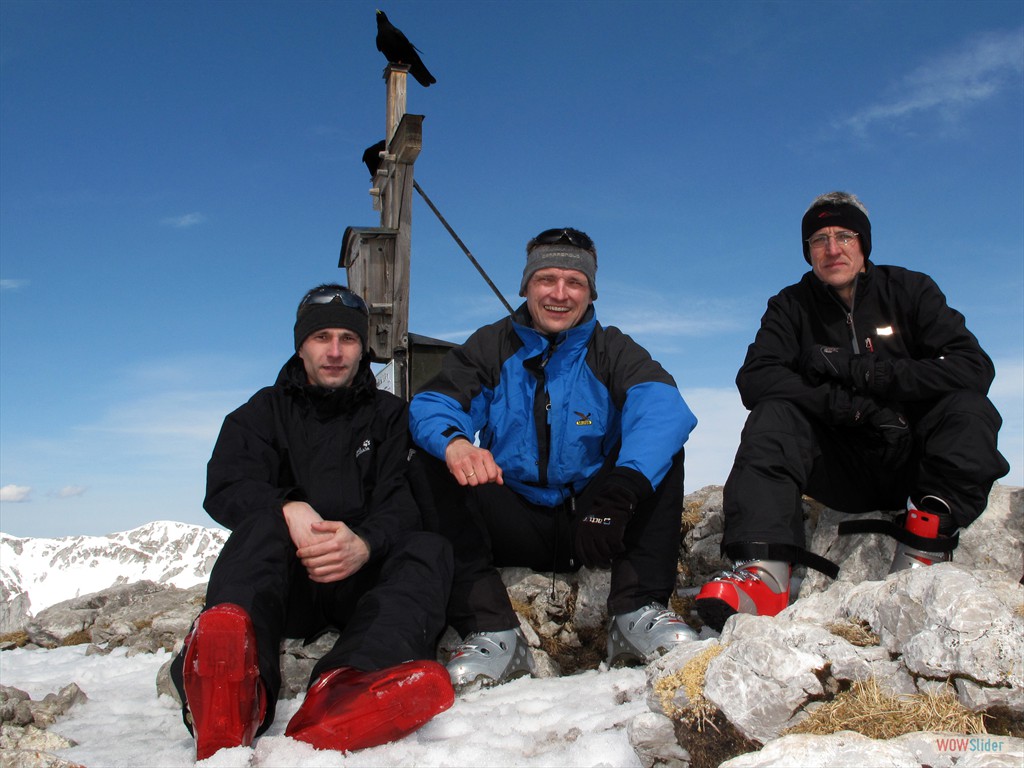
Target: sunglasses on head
562	235
330	294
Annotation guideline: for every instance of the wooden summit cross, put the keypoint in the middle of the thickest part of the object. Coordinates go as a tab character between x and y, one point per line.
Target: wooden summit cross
377	258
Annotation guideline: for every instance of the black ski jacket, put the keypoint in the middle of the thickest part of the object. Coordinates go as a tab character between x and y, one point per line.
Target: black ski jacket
345	452
922	349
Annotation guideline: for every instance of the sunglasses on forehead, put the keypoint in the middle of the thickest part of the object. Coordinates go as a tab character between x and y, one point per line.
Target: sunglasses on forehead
328	295
562	235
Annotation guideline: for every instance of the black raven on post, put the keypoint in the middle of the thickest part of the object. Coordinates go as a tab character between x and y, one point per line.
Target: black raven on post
398	50
372	157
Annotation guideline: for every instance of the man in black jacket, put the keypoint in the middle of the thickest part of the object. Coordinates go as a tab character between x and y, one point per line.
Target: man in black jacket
310	477
866	392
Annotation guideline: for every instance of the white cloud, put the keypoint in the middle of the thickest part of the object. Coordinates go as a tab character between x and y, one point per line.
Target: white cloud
12	284
185	221
71	490
654	323
982	68
15	493
641	312
712	445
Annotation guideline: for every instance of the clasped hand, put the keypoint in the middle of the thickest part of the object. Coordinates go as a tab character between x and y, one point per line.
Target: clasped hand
820	363
328	549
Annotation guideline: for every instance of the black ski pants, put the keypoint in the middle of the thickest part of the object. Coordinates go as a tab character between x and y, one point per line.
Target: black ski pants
390	611
490	527
785	453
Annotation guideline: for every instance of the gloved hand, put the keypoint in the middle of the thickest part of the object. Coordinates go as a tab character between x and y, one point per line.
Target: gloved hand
865	373
891	426
599	535
819	364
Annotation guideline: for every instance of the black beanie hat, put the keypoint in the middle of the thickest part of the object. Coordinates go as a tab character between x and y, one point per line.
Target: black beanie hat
337	307
829	214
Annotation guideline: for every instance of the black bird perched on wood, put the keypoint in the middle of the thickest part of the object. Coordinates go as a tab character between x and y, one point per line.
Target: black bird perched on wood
396	46
372	157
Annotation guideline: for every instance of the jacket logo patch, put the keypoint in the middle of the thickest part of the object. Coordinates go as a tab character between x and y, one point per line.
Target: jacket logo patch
583	420
886	331
363	448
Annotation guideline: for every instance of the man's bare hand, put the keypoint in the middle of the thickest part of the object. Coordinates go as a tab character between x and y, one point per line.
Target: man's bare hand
300	518
471	465
329	550
336	555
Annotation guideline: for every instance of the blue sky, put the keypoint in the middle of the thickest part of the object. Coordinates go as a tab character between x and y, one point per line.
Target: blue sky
173	176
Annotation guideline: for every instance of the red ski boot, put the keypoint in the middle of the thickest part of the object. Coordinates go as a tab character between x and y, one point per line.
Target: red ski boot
347	709
924	524
756	587
222	683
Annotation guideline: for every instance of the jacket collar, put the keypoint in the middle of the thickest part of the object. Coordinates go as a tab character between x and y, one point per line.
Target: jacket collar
292	378
823	289
578	334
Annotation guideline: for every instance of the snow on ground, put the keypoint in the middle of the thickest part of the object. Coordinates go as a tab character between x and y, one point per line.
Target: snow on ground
570	721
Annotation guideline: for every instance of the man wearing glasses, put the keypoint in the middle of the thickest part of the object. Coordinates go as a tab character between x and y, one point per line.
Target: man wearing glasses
866	392
310	477
579	462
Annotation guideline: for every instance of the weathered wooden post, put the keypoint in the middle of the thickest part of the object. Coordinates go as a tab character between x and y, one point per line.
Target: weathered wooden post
377	259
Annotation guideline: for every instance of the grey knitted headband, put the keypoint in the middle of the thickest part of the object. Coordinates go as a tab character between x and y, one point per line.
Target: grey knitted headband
563	256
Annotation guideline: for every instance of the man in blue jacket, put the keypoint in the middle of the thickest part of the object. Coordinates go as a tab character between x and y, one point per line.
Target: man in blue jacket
578	461
866	391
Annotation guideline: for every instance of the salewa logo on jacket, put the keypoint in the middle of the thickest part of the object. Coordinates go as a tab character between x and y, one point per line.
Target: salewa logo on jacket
363	448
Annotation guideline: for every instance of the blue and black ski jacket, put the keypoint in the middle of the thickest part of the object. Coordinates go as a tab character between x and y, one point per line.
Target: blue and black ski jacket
551	410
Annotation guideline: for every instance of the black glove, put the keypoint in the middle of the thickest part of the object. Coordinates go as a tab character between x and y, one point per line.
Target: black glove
870	374
892	427
819	364
599	535
865	373
888	424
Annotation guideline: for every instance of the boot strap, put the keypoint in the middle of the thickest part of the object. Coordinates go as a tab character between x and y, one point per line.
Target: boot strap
901	534
759	550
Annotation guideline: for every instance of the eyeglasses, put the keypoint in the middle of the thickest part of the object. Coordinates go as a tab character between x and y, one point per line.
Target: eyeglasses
820	242
328	294
562	235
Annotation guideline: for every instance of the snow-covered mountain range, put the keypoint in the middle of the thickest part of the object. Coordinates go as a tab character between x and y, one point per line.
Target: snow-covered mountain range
38	573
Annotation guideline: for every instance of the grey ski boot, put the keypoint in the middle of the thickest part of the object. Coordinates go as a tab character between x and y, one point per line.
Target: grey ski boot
490	658
640	636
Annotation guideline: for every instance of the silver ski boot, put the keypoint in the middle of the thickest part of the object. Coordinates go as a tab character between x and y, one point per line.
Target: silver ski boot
490	658
643	635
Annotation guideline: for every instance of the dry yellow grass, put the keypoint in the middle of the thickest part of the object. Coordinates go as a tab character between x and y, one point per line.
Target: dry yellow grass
691	679
692	515
19	639
854	631
869	710
81	637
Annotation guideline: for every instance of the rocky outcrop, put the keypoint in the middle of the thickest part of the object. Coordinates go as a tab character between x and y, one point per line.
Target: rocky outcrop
14	609
955	627
143	616
24	740
38	573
